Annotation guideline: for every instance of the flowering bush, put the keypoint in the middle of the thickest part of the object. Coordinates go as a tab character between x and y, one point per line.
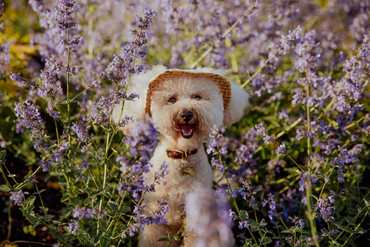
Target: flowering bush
291	171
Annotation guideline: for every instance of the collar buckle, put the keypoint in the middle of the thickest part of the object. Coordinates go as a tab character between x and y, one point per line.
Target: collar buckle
184	155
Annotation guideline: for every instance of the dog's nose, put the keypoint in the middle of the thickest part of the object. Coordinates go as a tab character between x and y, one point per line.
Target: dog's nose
187	116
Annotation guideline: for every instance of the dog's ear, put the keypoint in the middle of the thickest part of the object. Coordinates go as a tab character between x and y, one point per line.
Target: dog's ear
239	101
136	109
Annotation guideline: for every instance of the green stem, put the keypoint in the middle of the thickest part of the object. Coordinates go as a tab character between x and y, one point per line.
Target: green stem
255	73
104	184
326	181
79	94
15	181
109	143
295	163
56	130
308	189
68	103
234	200
10	220
4	176
93	179
119	207
68	110
355	229
52	232
42	203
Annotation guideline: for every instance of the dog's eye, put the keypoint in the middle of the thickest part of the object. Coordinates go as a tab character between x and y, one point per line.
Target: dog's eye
172	100
197	97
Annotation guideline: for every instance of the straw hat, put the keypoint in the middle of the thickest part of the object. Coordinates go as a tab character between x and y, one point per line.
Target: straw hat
222	82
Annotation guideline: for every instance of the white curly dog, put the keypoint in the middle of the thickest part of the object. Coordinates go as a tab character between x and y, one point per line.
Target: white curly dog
184	105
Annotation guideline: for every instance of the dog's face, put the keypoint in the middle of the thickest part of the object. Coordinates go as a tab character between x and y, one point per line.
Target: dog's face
185	109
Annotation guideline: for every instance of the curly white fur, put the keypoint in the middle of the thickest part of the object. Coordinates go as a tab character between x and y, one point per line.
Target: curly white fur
208	111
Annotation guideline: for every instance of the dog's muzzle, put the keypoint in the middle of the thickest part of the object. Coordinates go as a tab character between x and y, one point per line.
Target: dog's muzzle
187	123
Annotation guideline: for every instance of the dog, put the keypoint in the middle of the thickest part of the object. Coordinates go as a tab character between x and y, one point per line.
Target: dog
184	105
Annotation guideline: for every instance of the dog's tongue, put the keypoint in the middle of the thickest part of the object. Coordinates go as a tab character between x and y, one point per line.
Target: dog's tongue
187	129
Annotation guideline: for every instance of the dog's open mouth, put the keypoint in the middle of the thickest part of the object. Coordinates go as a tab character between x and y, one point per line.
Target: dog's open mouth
187	130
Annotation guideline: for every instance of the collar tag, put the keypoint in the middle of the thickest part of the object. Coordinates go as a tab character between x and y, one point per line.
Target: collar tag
188	170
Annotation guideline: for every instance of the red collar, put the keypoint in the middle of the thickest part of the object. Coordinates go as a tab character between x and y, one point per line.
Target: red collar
178	154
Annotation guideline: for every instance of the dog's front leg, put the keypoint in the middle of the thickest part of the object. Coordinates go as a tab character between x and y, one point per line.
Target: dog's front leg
153	232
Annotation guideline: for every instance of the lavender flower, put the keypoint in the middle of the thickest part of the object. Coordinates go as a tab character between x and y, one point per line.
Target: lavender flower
281	149
4	48
272	205
82	213
81	130
262	131
29	117
17	197
143	134
209	218
332	232
57	155
45	165
21	82
283	114
159	176
325	207
217	142
79	213
142	219
243	224
217	163
82	167
73	227
122	64
50	78
298	223
3	143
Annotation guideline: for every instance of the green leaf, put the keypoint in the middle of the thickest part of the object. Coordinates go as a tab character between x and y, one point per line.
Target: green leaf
44	208
71	175
104	225
103	241
30	200
65	198
253	222
247	243
254	229
65	102
163	239
108	195
20	185
113	206
5	188
37	193
47	217
124	209
266	240
244	214
286	231
2	155
59	236
344	228
31	217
